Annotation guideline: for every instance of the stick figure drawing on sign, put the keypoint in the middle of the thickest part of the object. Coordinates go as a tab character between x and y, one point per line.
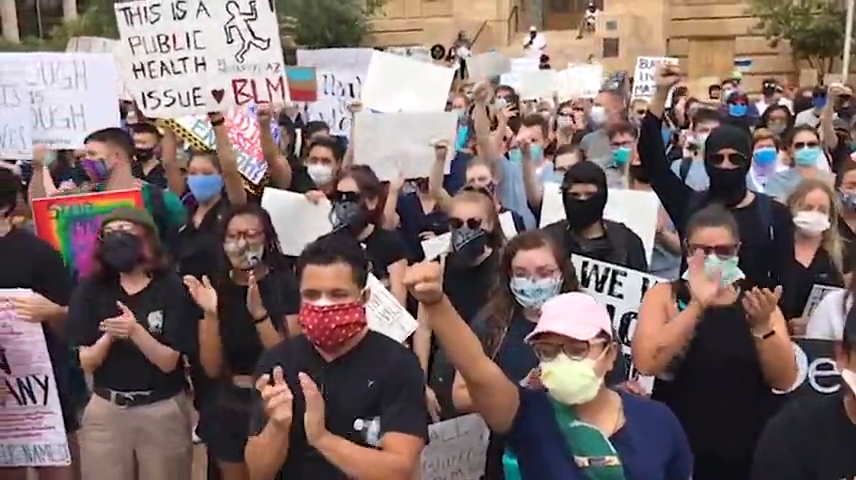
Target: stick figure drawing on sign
239	27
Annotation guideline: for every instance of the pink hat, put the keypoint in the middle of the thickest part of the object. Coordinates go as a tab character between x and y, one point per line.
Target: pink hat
574	315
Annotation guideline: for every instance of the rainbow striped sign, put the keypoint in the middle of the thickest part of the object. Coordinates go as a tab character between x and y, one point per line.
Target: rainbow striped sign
302	84
71	223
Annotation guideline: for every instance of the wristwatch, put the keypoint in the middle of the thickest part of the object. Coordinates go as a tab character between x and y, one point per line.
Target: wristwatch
765	335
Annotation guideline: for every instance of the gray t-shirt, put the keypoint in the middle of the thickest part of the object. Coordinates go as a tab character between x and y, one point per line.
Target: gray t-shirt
807	117
598	150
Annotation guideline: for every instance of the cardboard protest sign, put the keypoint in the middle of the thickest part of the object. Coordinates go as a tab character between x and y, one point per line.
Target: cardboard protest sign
100	45
620	290
817	293
32	432
401	84
456	449
70	223
16	123
341	73
644	82
284	207
70	94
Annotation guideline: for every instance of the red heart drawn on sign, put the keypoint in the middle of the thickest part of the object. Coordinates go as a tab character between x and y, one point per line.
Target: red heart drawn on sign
218	94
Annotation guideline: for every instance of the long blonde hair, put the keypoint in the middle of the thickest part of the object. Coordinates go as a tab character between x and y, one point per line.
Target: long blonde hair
831	240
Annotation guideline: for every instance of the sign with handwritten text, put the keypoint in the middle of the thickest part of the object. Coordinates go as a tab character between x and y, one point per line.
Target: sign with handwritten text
100	45
386	315
32	432
340	73
163	55
70	94
456	449
71	223
16	121
644	81
244	50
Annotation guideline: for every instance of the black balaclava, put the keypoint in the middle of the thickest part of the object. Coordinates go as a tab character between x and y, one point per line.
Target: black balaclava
581	214
728	186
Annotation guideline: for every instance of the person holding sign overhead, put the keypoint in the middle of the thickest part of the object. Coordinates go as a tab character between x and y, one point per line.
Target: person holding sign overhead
717	346
575	427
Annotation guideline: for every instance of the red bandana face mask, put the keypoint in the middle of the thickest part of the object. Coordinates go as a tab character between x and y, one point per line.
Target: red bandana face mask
328	327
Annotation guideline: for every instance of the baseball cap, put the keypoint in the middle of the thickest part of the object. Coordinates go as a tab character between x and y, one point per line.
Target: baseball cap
137	216
574	315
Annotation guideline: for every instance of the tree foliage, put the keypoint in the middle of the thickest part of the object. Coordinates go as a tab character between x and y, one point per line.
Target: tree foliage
312	23
813	28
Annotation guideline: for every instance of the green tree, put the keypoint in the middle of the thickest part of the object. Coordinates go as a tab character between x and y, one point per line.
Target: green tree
327	23
813	28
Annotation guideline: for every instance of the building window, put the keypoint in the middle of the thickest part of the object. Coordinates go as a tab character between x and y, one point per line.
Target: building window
36	18
609	48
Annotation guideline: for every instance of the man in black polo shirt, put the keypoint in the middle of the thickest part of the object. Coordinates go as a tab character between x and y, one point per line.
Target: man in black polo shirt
339	401
814	438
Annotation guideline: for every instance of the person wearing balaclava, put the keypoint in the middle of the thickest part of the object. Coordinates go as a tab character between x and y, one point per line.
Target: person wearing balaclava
766	228
584	231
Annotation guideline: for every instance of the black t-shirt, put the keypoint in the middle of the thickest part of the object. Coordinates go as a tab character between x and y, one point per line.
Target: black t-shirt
199	247
360	388
301	182
848	238
241	344
164	308
468	288
810	439
821	271
383	248
156	176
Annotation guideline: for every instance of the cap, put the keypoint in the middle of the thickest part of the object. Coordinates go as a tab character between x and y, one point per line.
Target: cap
533	29
574	315
137	216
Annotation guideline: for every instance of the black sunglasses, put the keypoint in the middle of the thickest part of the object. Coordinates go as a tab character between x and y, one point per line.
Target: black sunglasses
721	251
473	223
735	158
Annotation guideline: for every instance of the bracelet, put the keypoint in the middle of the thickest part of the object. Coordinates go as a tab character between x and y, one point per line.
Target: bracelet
257	321
218	122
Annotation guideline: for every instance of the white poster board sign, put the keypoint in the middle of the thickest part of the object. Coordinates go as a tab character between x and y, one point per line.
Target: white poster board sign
456	450
100	45
71	94
341	73
437	246
634	208
816	295
644	80
16	121
400	84
386	315
285	207
402	144
537	84
579	81
485	66
32	432
518	65
620	290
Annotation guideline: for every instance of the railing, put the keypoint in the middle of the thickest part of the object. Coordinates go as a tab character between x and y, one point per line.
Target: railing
512	27
478	34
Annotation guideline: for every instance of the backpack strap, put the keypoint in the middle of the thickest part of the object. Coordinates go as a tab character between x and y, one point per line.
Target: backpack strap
684	168
765	210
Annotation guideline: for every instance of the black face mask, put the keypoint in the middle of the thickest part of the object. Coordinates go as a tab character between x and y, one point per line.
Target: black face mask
726	185
120	251
144	154
581	214
468	244
639	173
349	216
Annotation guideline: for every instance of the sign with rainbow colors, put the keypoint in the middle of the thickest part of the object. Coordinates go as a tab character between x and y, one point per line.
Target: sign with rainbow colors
70	223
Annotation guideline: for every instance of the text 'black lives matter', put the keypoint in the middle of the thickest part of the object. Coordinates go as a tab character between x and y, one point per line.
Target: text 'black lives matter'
166	55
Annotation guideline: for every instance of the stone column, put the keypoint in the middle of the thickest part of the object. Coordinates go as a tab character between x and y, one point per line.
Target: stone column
69	9
9	14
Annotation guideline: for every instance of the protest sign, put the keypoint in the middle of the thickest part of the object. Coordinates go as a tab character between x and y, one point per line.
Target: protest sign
537	84
284	207
644	81
401	84
163	55
340	73
302	84
385	314
579	81
506	222
636	209
242	40
16	121
817	293
620	290
100	45
32	432
484	66
456	449
71	223
816	370
68	94
401	145
243	132
518	65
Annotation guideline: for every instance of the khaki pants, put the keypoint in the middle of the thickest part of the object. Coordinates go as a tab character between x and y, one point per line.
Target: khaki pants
149	442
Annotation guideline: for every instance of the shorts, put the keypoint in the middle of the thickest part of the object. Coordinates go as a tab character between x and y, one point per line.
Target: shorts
224	422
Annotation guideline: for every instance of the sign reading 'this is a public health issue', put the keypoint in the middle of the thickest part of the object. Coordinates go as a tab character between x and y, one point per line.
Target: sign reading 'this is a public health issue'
186	57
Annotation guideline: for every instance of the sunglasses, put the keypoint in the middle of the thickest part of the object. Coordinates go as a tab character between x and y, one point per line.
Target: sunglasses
734	158
721	251
346	197
472	223
478	189
801	145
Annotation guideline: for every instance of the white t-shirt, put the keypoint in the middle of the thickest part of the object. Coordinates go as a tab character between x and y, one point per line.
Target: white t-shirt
827	320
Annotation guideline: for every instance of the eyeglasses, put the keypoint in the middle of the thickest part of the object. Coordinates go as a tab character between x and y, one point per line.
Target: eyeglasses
346	197
722	251
245	234
116	228
801	145
735	158
472	223
575	350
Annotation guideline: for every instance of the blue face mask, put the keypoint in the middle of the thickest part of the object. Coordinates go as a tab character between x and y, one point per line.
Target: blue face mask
204	187
807	157
532	294
620	156
737	110
535	152
818	102
461	140
765	157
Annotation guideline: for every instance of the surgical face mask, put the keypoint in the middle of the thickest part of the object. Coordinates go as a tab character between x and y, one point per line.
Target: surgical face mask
812	223
204	187
726	267
737	110
242	254
319	173
621	156
460	112
777	127
765	157
531	294
536	152
500	102
598	115
807	157
726	92
818	102
569	381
